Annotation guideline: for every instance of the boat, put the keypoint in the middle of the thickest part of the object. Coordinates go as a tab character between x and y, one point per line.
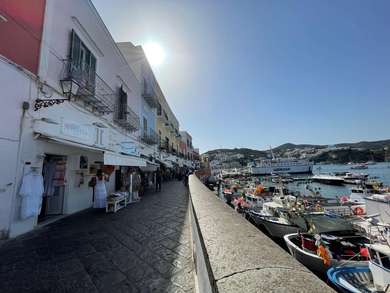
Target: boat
354	178
374	277
331	237
359	167
352	279
274	216
381	197
328	179
357	195
281	166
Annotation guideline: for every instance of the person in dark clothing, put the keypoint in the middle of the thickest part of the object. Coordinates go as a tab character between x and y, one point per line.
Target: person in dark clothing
158	180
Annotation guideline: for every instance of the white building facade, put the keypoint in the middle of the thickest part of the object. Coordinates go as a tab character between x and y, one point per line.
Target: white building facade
82	108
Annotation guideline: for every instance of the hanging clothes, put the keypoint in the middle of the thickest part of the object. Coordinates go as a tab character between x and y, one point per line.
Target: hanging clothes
31	192
100	194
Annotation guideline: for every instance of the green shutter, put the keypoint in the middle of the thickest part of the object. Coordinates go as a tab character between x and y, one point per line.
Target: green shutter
122	104
75	50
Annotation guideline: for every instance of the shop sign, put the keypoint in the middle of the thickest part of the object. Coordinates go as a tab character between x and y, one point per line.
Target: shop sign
84	133
129	148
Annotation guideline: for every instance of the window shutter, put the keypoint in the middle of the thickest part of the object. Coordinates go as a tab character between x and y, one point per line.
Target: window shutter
122	104
75	50
92	69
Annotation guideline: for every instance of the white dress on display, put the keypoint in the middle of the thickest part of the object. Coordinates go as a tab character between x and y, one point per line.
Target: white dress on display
31	192
100	194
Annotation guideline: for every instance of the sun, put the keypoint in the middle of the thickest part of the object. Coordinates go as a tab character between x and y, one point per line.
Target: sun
154	53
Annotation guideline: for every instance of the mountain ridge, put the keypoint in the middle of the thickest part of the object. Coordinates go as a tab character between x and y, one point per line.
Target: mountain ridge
376	144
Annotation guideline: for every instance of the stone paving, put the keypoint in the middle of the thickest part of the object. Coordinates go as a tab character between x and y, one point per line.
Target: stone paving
142	248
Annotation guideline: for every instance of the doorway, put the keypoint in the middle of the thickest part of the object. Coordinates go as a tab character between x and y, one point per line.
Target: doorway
53	172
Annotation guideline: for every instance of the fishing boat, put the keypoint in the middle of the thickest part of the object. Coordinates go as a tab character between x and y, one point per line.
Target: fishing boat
274	216
374	277
330	241
328	179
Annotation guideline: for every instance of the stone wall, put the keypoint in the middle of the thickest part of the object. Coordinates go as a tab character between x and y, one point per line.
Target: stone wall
232	255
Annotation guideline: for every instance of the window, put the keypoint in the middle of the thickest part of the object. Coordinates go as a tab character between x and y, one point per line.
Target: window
165	115
145	126
122	105
385	259
159	110
83	62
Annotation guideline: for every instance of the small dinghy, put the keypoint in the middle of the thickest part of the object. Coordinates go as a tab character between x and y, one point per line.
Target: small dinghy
352	279
374	277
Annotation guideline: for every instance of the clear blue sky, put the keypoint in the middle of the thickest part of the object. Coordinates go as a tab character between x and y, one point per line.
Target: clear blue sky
258	73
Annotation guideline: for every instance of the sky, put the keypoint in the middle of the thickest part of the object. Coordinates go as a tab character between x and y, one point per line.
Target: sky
255	73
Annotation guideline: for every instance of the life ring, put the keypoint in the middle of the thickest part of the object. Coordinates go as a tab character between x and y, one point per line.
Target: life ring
359	211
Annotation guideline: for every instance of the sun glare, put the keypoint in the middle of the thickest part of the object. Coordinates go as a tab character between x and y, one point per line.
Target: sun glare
155	53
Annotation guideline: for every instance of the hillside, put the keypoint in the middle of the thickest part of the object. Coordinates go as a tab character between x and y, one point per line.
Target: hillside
339	153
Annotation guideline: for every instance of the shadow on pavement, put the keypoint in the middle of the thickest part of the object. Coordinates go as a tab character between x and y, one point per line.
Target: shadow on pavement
142	248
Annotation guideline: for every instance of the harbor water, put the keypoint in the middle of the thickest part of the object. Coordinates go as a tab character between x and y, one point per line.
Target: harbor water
380	171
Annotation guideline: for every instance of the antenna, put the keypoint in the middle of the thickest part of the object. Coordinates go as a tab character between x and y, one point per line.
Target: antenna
272	153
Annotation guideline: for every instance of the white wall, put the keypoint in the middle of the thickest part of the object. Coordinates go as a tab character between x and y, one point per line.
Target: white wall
63	16
15	87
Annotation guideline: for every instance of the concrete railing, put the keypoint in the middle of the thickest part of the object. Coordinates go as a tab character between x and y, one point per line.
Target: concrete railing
232	255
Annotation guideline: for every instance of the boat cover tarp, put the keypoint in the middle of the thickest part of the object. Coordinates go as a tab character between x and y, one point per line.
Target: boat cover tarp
316	224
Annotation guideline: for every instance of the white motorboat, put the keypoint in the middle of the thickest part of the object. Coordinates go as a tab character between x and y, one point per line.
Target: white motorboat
382	197
355	178
359	167
328	179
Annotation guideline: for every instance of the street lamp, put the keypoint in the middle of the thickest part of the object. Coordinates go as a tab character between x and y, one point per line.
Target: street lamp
69	88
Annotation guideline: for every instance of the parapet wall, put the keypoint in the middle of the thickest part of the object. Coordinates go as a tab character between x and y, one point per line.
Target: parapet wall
231	255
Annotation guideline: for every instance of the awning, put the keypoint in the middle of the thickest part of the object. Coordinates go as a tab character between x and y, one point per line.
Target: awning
168	164
122	160
70	143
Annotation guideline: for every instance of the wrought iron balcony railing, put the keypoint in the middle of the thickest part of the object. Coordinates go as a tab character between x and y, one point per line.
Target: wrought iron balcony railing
126	118
149	136
93	90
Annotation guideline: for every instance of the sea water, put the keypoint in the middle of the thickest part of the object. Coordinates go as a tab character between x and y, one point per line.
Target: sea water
381	171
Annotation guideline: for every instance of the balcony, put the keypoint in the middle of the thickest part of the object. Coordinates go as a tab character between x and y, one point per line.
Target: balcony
126	118
93	91
164	145
149	136
149	94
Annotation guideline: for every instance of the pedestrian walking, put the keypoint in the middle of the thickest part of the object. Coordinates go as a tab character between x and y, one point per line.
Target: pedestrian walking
100	190
158	180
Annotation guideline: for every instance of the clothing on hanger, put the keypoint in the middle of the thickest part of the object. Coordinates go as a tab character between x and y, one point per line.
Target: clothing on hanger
31	192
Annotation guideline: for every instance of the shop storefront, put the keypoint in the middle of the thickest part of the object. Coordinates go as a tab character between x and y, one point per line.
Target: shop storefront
66	155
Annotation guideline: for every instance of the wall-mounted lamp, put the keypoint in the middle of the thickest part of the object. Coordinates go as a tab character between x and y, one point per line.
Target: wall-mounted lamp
69	88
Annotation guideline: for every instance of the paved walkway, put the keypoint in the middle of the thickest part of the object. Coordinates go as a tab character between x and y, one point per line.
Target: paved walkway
143	248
